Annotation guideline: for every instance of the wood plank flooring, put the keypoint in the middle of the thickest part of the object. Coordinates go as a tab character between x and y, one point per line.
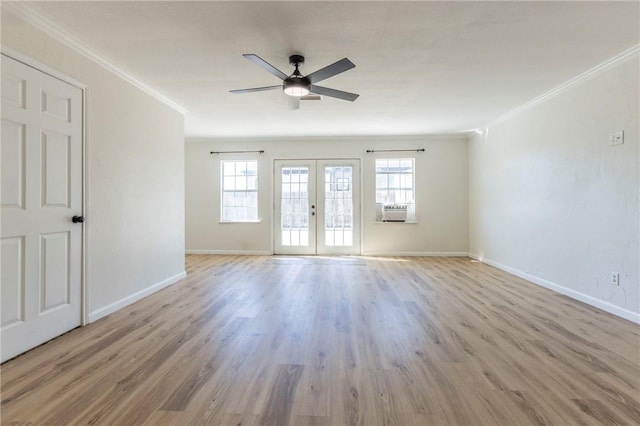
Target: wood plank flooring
335	341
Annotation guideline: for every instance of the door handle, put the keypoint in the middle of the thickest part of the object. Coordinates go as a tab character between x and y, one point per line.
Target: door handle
77	219
313	213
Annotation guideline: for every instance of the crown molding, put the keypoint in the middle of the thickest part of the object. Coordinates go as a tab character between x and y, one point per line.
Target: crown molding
370	139
621	57
27	13
30	62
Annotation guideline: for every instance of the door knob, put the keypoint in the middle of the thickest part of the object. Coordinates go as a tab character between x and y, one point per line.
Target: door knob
77	219
313	207
313	213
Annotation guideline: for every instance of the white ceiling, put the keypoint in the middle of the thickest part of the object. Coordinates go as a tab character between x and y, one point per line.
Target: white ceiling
421	67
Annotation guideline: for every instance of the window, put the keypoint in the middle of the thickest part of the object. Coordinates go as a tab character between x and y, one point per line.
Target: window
239	191
395	190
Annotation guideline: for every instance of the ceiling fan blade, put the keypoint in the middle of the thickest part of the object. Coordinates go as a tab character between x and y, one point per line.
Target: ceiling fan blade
319	90
294	102
256	89
330	70
265	65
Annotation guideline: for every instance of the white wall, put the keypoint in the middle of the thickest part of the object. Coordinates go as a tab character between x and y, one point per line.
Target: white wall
135	175
441	193
550	199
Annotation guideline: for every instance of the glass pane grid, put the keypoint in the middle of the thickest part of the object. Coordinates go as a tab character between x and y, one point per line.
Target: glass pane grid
239	190
338	206
395	184
294	206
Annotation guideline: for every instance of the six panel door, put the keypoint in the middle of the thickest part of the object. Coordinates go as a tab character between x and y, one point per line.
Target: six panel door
41	160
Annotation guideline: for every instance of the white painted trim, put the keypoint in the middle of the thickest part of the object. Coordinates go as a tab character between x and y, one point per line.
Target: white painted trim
239	222
365	253
623	56
232	252
415	253
30	62
387	222
85	232
391	139
585	298
104	311
30	15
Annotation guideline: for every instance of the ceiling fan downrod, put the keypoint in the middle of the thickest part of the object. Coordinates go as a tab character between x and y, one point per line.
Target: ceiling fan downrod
296	84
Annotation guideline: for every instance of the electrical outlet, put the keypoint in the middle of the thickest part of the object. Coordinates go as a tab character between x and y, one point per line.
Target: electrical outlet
615	278
617	138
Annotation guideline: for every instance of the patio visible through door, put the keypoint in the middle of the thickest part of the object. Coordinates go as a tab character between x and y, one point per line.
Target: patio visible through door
317	207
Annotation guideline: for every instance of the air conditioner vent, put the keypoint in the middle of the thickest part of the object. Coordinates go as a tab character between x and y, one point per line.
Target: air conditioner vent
394	213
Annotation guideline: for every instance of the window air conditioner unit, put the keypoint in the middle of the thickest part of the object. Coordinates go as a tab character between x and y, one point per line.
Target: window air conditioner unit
394	213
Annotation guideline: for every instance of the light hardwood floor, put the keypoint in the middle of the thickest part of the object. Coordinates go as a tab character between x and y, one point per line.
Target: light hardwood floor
336	341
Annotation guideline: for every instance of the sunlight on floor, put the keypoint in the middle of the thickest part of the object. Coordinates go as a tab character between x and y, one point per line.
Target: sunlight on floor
346	259
383	259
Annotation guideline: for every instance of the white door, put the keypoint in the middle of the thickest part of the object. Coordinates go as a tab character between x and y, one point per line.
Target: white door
41	160
317	207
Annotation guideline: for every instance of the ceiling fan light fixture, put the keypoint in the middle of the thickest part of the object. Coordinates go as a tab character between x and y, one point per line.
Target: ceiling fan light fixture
296	91
296	87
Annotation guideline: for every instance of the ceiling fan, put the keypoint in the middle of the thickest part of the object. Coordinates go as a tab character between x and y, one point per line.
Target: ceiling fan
298	86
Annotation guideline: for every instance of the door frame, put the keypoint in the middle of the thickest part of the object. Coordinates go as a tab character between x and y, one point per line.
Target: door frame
359	200
46	69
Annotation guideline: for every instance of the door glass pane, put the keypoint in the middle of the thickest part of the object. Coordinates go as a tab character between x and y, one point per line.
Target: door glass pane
338	205
294	220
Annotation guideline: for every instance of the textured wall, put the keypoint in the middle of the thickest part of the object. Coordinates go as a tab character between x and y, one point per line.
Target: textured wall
550	197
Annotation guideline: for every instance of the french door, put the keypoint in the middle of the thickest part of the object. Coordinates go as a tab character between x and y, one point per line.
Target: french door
41	163
317	207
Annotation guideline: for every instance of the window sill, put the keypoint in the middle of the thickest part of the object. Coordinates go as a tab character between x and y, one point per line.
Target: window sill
406	222
237	222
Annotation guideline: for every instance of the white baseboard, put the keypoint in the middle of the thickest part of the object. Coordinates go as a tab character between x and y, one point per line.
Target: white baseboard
366	253
416	253
102	312
232	252
585	298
